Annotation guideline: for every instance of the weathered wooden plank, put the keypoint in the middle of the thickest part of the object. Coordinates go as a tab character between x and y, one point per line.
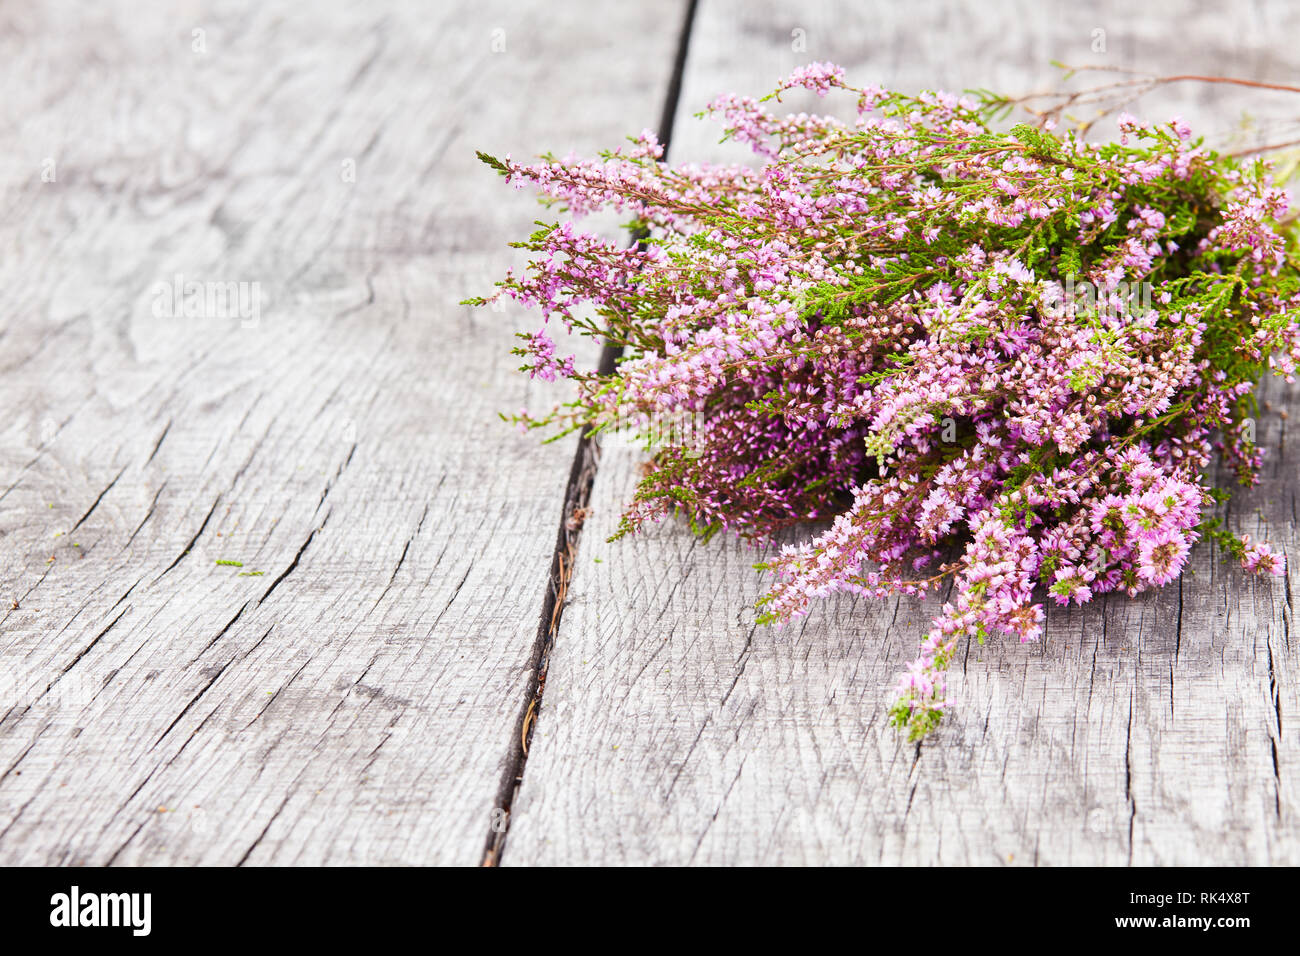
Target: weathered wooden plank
348	695
1161	730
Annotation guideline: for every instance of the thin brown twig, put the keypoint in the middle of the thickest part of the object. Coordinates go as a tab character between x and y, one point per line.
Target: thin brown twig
1120	93
1254	150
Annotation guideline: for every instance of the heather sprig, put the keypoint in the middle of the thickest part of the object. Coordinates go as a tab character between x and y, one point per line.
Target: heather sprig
1000	361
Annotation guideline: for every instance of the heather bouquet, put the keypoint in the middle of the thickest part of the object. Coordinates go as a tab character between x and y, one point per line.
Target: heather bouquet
1001	362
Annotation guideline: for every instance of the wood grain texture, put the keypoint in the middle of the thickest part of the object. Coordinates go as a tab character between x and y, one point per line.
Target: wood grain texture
350	693
1161	730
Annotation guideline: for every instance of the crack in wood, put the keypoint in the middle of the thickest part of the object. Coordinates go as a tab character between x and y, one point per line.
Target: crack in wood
158	443
192	542
91	509
294	563
1128	777
402	559
149	514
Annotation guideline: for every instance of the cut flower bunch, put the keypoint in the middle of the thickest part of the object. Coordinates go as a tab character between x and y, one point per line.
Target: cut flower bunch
1000	362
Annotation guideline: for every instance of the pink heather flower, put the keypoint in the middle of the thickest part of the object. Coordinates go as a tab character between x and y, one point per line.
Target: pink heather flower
1259	557
1161	556
545	365
1072	583
818	77
1127	123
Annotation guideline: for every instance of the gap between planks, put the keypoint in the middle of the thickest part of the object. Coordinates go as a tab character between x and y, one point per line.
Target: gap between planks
586	460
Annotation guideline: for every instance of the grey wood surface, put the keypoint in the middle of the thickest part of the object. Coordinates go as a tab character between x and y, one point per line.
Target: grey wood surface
351	693
359	699
1154	731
